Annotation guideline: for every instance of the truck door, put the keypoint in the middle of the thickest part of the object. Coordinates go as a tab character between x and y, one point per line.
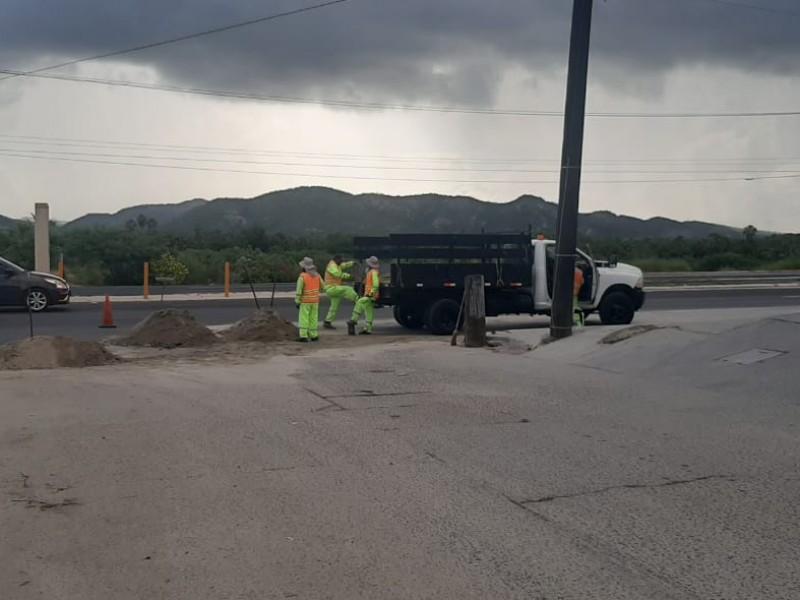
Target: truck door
583	262
590	276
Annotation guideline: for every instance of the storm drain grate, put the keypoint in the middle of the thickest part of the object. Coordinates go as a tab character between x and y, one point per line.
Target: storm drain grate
752	356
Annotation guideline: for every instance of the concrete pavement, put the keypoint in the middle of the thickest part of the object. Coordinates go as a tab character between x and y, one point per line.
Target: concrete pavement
406	471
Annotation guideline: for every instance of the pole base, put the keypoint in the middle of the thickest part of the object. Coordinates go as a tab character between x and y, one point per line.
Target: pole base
559	333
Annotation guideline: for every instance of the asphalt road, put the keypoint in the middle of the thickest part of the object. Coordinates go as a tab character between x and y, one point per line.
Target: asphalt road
82	320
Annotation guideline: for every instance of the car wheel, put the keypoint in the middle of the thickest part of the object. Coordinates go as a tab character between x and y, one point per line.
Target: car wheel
409	317
617	309
37	300
442	317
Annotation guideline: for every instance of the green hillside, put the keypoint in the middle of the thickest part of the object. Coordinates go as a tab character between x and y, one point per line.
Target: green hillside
319	210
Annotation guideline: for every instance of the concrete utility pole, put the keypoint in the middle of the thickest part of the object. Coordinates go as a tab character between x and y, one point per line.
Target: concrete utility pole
41	237
571	156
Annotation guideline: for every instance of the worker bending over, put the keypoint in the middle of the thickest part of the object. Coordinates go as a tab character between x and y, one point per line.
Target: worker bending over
335	274
366	304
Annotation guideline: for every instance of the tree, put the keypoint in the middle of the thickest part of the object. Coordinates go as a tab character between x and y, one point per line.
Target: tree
750	234
171	267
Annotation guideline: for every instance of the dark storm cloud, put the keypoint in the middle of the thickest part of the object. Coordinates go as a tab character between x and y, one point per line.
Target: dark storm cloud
454	50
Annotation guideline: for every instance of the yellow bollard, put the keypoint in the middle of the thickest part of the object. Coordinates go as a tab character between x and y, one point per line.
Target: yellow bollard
147	281
227	280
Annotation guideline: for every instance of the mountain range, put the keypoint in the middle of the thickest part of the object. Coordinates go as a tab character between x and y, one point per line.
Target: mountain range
320	210
6	223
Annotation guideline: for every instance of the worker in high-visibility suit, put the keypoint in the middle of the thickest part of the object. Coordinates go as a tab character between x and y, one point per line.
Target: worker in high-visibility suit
366	304
335	274
309	288
577	312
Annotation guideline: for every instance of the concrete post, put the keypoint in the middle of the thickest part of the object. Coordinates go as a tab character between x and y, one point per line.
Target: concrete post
41	236
475	312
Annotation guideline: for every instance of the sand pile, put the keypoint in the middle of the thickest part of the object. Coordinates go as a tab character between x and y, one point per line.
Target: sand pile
261	326
52	353
170	328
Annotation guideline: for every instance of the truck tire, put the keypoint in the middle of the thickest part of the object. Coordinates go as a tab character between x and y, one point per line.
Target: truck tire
409	317
617	308
442	317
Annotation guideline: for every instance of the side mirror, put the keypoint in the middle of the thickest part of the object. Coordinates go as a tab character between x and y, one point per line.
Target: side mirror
612	262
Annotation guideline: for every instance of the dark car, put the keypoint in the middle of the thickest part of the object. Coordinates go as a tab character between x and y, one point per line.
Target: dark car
31	289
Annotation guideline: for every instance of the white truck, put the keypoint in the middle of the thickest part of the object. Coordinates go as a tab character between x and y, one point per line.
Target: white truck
425	281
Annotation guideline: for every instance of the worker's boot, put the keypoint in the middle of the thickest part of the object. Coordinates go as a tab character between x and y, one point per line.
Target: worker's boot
351	328
328	325
365	332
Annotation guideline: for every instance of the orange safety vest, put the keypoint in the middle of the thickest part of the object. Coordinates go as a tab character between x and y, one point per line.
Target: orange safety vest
578	281
370	289
331	279
311	288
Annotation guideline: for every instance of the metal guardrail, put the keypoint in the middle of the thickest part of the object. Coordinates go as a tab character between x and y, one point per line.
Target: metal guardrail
722	278
651	280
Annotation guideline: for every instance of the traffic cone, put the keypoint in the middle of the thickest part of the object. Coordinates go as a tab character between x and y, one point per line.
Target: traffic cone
108	316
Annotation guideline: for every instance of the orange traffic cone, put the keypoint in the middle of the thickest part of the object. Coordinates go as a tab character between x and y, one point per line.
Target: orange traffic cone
108	316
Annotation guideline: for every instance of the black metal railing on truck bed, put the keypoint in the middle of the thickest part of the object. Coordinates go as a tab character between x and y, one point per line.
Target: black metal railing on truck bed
443	260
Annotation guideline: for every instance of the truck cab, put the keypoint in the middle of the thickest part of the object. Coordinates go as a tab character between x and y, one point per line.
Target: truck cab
615	290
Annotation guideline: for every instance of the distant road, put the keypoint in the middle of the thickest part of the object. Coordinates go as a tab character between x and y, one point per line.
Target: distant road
82	320
651	280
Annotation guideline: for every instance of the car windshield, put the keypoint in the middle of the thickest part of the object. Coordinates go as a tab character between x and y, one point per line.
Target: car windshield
9	265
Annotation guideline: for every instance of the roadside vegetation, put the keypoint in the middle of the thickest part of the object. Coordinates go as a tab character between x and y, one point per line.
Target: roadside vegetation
116	256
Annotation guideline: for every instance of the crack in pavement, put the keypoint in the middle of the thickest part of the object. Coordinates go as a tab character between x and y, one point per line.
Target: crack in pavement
44	505
371	394
331	400
331	403
627	486
433	456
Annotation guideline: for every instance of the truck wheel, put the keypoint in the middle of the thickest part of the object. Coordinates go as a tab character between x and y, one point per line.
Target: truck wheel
409	317
442	317
617	309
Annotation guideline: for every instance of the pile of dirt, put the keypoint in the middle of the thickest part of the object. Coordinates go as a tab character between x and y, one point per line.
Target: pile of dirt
170	328
52	353
262	326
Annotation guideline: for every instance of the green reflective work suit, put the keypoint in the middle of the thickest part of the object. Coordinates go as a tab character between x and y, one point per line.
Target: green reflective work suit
334	290
366	304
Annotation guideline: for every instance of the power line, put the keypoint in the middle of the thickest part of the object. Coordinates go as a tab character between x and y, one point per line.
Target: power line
375	178
554	169
175	40
769	9
82	143
400	107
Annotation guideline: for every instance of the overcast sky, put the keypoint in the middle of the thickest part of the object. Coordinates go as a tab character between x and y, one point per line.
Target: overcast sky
62	140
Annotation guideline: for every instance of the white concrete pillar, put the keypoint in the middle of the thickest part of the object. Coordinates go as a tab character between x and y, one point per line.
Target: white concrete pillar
41	237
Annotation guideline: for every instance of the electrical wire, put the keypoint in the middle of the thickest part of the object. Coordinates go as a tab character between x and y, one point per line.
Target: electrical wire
403	107
83	143
175	40
388	167
375	178
769	9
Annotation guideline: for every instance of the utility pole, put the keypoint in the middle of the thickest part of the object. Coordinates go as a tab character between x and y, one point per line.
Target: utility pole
570	182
